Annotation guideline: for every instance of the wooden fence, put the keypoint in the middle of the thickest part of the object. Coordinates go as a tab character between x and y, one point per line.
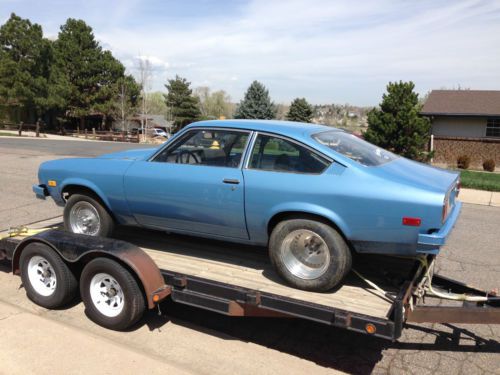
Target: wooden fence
116	136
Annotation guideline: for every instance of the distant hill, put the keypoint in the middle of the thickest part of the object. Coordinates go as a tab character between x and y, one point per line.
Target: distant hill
344	116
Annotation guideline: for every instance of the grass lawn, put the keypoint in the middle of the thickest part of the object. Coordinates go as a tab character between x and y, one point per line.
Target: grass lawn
480	180
8	134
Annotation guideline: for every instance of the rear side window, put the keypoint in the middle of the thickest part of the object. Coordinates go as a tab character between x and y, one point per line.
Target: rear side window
217	148
354	148
280	155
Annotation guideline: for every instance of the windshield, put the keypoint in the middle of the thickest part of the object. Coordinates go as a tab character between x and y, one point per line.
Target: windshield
354	148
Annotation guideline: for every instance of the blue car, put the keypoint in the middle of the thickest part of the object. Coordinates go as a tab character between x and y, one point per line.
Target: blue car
312	194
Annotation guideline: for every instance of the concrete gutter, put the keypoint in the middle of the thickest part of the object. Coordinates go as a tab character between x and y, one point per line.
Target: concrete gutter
485	198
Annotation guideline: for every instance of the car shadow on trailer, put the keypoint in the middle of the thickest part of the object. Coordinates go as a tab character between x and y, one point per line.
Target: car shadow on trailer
392	272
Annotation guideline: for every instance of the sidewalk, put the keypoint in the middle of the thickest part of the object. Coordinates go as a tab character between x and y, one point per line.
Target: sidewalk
486	198
36	345
32	134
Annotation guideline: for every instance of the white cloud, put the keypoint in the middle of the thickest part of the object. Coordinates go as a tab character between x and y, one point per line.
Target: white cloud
325	50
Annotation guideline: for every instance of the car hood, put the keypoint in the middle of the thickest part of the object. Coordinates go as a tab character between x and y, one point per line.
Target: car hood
418	175
139	154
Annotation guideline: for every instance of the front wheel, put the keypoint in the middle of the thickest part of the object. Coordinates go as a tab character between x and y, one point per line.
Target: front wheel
111	295
84	214
309	254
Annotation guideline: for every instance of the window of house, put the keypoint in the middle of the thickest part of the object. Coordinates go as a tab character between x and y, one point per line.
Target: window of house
493	127
280	155
218	148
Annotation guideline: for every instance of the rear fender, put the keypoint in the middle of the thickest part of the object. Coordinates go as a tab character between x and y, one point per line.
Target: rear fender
78	248
313	209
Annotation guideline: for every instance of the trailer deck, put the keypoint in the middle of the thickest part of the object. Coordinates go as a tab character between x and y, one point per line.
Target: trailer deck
238	280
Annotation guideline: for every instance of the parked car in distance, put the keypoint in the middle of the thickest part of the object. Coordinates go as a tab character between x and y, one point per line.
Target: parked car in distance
153	132
312	194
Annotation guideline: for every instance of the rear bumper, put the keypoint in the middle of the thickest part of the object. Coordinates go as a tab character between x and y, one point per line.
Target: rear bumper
430	243
40	191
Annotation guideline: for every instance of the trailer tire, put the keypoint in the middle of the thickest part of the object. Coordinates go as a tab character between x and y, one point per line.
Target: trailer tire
111	294
47	279
309	254
85	214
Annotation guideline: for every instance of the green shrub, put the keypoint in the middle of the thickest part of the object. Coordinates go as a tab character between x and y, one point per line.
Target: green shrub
489	165
463	162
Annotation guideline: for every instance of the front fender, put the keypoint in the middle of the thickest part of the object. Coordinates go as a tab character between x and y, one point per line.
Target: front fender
74	248
87	184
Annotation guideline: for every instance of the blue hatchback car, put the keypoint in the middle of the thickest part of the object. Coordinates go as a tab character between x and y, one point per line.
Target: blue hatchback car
313	194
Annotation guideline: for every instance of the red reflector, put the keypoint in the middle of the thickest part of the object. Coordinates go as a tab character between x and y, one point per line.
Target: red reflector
412	221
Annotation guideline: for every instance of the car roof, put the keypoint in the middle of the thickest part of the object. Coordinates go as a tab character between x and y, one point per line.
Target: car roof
286	128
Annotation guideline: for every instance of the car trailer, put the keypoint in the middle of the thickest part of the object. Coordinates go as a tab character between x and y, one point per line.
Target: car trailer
377	298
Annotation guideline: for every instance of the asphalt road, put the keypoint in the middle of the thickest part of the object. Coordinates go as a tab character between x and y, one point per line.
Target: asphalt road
201	342
32	146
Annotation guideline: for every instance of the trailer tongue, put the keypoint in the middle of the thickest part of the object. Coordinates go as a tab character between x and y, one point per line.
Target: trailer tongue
378	298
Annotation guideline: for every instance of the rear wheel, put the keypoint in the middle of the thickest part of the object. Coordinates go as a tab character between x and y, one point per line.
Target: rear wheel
84	214
46	278
111	295
309	254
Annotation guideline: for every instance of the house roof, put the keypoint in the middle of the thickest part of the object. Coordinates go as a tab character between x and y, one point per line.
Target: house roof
462	103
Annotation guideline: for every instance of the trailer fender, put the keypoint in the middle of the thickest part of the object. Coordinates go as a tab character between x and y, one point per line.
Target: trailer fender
75	248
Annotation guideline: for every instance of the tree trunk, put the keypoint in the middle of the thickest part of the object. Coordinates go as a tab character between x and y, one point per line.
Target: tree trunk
81	125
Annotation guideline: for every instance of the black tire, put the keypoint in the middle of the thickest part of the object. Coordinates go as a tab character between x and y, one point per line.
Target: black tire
66	284
107	223
134	303
339	263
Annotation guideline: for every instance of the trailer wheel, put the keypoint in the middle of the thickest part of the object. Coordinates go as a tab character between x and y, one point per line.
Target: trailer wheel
46	278
309	254
111	294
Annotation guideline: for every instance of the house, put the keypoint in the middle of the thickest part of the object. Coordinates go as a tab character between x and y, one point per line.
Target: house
152	121
464	122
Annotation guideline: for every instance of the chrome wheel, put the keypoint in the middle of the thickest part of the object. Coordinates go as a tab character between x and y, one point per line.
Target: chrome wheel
107	295
305	254
42	276
84	219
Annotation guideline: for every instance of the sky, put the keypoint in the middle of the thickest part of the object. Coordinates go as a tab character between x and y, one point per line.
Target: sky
328	51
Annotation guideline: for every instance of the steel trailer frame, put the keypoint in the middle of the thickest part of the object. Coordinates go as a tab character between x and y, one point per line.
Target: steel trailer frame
233	300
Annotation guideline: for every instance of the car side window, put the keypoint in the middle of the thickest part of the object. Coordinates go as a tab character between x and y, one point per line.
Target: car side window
219	148
280	155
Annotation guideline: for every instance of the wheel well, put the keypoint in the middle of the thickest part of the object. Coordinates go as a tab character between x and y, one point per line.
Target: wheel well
69	190
288	215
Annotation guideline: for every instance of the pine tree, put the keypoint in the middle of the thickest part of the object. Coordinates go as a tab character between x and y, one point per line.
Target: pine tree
91	73
300	111
396	125
24	66
256	104
180	101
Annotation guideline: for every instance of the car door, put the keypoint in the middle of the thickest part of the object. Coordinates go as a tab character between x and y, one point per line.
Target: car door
194	185
280	172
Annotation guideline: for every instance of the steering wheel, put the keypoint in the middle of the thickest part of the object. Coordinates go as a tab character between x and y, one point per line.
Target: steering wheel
185	157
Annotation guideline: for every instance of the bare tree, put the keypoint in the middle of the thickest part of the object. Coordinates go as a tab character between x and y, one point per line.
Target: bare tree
145	75
122	104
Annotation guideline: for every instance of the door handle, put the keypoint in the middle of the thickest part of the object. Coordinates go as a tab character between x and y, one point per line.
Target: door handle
232	181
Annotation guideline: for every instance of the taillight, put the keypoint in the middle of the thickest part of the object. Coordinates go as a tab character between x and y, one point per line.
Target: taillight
446	206
459	185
